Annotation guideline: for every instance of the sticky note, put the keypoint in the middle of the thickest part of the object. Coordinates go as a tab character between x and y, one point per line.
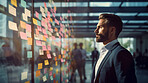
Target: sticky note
44	48
54	75
38	72
56	21
41	9
28	34
23	3
57	71
56	63
25	17
49	48
28	27
54	54
29	54
39	28
44	38
40	65
44	78
28	12
51	20
37	14
23	35
51	68
50	73
51	77
38	23
12	25
45	70
59	56
14	2
46	62
27	82
23	24
12	10
48	14
41	52
23	75
34	21
29	41
37	31
48	56
56	29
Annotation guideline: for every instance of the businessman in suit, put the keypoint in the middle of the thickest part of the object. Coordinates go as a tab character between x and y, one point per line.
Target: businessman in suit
115	63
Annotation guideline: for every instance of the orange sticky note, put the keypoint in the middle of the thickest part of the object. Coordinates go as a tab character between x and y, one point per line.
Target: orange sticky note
55	58
29	41
27	82
44	38
23	24
51	20
37	31
56	29
38	72
46	62
59	56
57	71
40	65
14	2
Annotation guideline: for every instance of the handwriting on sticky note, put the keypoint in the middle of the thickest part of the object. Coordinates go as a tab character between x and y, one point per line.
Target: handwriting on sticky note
23	75
12	10
12	25
44	78
40	65
46	62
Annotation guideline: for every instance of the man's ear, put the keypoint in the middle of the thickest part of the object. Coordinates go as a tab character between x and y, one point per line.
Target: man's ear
113	30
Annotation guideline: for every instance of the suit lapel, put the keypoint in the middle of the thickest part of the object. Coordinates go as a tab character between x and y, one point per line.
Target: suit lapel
106	57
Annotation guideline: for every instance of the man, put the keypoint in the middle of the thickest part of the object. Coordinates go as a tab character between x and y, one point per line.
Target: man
95	55
83	52
76	59
115	64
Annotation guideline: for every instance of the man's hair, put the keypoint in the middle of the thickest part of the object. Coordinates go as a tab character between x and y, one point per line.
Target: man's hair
113	20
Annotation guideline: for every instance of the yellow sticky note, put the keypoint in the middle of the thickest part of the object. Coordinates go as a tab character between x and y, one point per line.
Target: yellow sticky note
51	68
46	62
34	21
56	63
29	41
38	72
40	65
23	24
57	71
23	75
27	82
12	25
14	2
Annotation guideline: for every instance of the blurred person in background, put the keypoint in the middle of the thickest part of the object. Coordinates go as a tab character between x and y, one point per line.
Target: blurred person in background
94	55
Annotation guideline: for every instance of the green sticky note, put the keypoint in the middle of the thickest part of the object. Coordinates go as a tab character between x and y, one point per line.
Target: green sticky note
29	54
39	23
23	3
51	77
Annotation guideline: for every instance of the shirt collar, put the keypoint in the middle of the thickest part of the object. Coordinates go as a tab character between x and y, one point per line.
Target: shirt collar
109	45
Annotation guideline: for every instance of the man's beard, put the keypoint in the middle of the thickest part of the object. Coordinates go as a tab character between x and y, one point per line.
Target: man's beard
102	38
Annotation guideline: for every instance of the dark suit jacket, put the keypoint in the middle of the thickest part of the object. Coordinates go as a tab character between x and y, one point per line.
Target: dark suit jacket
116	67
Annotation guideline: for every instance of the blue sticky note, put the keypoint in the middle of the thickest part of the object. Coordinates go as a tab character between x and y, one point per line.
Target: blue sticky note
29	54
40	17
39	23
23	3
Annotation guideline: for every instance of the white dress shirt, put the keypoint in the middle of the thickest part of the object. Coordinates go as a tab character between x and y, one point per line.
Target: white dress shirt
103	53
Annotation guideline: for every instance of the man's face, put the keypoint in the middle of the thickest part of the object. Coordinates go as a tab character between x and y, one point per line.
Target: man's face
102	31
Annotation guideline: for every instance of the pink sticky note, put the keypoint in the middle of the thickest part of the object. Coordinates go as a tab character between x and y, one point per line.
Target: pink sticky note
50	74
44	48
37	31
43	23
56	21
45	70
53	14
48	56
38	43
62	60
49	48
53	37
37	14
45	35
23	36
44	31
28	27
60	18
39	28
49	25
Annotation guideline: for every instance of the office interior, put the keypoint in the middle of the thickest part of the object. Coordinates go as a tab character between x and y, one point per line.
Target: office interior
37	36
